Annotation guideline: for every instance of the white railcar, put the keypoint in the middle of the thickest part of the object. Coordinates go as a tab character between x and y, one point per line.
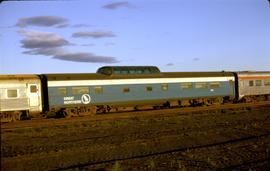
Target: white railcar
253	85
20	95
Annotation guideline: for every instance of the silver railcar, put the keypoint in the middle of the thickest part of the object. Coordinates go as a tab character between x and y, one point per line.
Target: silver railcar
253	85
19	95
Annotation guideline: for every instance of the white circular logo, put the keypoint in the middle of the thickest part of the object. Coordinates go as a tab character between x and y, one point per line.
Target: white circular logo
86	98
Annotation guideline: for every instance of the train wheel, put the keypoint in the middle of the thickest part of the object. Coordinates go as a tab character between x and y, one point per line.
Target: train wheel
6	117
267	97
17	116
93	110
61	114
25	115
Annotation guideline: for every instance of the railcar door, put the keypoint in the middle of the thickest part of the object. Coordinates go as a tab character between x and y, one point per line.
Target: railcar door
33	95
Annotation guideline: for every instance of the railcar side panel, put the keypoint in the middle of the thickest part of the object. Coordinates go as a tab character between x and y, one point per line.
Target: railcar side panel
20	93
13	97
253	83
94	92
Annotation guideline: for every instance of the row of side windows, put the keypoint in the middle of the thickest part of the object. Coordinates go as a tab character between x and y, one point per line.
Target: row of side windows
80	90
163	87
201	85
14	93
252	83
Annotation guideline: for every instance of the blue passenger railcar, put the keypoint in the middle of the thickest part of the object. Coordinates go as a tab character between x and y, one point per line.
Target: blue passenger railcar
134	86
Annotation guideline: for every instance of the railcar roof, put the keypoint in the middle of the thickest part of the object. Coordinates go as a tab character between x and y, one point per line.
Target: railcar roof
198	74
88	76
18	77
253	73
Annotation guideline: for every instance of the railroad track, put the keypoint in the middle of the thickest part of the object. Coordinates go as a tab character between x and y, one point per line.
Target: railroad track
146	139
24	124
245	140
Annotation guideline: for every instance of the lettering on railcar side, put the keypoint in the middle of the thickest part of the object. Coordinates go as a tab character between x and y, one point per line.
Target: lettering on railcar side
85	99
71	100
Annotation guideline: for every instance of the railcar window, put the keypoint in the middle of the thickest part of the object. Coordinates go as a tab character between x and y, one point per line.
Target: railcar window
124	71
132	71
267	82
251	83
146	71
149	88
258	82
33	88
126	90
80	90
62	91
12	93
98	90
164	87
200	85
186	85
138	71
116	71
106	71
214	84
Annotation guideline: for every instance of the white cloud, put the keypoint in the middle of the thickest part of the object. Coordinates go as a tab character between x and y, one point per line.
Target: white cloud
35	39
50	44
45	21
116	5
93	34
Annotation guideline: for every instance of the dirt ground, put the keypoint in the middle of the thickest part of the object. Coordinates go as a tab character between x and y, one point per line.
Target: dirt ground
210	140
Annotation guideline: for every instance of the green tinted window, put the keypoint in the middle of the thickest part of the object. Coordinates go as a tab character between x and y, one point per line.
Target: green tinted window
33	88
267	82
62	91
126	90
12	93
251	83
80	90
98	90
258	82
200	85
186	85
214	84
149	88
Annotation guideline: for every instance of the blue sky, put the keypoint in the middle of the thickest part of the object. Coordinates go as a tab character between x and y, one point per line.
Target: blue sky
78	36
